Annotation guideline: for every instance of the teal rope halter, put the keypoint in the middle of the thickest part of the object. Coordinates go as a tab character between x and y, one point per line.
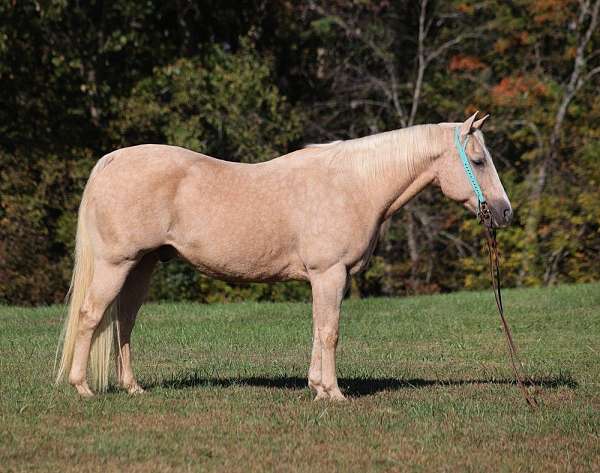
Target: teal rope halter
467	165
483	212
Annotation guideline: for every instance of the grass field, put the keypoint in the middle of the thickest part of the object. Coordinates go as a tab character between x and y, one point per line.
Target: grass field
429	386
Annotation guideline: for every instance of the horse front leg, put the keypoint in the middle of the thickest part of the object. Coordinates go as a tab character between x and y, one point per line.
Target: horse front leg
328	291
314	372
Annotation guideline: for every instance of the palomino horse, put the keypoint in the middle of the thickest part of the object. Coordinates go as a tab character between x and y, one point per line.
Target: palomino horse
312	215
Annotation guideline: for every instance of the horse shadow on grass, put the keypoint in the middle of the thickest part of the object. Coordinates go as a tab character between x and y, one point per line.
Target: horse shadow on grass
355	387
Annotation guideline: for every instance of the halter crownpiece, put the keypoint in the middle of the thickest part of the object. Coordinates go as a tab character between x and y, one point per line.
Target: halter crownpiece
483	211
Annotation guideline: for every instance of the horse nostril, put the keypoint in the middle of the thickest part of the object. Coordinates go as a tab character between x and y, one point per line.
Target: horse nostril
507	215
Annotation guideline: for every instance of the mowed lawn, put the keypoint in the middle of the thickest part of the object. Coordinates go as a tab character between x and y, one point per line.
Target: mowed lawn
428	381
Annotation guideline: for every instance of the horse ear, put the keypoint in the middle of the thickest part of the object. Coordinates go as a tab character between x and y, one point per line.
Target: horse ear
477	125
465	128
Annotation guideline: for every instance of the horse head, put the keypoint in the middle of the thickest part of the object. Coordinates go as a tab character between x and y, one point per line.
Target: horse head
465	172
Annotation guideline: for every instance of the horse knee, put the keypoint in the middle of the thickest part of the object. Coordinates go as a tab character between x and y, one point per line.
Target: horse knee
329	338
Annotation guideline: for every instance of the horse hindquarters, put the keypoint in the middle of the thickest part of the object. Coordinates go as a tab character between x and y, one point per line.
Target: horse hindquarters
89	331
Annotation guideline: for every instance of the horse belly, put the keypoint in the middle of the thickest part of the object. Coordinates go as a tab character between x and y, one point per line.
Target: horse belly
235	241
242	259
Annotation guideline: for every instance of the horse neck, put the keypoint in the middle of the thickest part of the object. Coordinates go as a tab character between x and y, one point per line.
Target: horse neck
392	167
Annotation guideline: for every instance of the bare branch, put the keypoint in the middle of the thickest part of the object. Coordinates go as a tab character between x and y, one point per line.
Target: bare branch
351	31
575	82
588	76
451	43
584	7
460	245
592	25
392	93
400	113
423	59
421	64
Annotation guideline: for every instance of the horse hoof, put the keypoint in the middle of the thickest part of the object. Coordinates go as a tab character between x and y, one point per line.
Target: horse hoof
337	396
84	390
135	389
321	396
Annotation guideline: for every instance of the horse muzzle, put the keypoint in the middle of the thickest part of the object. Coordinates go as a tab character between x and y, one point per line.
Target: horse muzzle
497	214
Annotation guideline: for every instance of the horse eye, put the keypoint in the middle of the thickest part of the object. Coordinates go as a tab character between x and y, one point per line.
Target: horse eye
478	162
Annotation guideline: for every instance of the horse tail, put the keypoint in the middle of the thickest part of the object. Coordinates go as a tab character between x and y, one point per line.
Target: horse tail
105	336
81	279
105	333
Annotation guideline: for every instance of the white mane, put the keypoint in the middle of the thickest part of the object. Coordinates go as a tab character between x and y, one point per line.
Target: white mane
407	150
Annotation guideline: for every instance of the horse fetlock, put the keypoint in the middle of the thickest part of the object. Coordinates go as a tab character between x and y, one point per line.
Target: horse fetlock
316	386
82	387
75	378
332	394
333	391
130	385
321	396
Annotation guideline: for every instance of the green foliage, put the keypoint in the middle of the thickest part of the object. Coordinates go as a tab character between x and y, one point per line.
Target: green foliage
221	104
178	281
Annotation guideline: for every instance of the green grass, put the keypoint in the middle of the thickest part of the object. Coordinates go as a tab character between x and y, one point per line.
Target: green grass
429	386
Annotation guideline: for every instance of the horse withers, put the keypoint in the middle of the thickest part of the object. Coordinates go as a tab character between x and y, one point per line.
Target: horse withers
314	215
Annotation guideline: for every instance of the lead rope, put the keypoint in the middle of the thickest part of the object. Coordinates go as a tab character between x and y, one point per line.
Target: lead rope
492	244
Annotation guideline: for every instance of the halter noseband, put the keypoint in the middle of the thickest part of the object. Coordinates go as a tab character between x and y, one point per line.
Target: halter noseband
483	211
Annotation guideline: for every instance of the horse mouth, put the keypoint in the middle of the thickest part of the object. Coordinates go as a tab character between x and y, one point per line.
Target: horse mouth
492	222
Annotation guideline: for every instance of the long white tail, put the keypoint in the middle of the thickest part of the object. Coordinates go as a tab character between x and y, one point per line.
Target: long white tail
105	335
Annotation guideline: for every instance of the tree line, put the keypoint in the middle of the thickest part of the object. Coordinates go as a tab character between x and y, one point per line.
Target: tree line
250	80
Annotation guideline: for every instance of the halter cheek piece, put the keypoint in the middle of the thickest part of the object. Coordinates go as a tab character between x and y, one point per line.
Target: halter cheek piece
483	211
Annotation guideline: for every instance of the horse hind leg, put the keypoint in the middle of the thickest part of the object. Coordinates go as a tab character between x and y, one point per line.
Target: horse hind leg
131	297
106	283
